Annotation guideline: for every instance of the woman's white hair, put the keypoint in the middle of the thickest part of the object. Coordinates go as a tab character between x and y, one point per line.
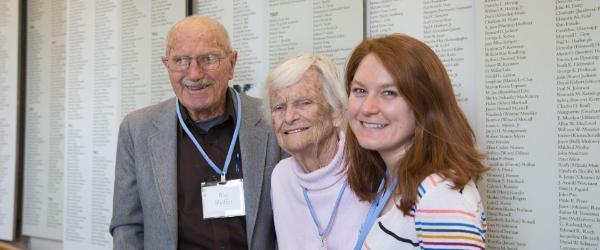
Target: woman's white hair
290	71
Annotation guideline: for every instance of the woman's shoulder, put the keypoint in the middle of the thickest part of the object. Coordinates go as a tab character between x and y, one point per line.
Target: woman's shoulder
448	216
435	190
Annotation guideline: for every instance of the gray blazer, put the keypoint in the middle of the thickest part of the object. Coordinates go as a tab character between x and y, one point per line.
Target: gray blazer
145	198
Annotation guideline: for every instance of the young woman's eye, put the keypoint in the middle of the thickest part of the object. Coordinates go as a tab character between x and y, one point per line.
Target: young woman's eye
389	93
358	91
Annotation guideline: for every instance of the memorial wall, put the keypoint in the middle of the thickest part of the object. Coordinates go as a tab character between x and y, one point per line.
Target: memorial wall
101	37
89	63
9	106
527	76
44	119
91	121
266	32
538	74
448	27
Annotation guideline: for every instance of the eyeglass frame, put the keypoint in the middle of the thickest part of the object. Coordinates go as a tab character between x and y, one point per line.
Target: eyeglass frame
202	61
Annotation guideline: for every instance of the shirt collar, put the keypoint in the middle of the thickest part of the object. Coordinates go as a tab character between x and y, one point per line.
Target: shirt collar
229	114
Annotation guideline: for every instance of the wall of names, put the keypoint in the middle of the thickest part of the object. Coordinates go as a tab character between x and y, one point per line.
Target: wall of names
89	64
446	26
266	32
539	113
44	119
113	51
9	104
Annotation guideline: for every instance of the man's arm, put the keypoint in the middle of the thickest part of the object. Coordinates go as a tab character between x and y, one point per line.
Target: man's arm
127	225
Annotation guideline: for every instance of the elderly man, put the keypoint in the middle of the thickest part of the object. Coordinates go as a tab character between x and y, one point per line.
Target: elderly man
194	171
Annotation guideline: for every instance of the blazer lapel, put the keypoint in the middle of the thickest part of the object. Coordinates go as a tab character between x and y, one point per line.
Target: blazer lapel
253	147
163	150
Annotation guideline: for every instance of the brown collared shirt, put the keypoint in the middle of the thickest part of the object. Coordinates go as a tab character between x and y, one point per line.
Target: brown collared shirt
194	231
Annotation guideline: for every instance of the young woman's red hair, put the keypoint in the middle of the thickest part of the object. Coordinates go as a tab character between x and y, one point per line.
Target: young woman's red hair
443	141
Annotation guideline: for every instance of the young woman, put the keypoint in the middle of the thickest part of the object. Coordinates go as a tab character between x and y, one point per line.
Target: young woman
410	150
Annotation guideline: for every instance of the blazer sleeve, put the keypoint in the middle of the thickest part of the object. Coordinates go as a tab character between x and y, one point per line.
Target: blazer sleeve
126	225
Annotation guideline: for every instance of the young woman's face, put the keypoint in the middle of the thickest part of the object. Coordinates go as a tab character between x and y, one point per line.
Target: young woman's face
378	115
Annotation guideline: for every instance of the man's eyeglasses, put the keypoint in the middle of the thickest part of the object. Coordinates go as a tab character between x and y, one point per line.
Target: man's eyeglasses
182	63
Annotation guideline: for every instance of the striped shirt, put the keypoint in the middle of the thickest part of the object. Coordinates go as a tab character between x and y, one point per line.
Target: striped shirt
443	218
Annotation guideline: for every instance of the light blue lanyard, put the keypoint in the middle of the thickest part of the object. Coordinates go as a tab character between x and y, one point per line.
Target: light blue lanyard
376	207
231	146
323	233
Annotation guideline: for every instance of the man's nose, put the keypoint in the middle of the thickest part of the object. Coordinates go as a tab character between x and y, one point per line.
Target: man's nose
195	70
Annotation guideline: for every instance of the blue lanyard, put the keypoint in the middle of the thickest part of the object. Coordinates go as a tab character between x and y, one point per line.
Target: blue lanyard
323	233
376	207
231	146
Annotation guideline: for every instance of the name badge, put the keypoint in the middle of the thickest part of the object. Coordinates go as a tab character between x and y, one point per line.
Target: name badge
223	199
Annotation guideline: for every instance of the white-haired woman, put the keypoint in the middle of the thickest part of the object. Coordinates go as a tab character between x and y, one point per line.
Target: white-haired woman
312	205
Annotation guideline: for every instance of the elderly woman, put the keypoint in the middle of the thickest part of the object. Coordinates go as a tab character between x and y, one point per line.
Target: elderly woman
410	150
312	206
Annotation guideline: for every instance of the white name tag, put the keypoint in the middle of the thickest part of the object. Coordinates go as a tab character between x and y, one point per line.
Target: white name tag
221	200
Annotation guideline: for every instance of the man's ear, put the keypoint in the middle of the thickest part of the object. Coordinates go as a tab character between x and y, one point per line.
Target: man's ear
163	59
232	60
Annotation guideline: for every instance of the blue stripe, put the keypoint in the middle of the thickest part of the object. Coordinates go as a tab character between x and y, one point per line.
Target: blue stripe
418	229
422	190
419	223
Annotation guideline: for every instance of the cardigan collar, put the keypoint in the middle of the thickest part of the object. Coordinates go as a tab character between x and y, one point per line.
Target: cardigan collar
326	176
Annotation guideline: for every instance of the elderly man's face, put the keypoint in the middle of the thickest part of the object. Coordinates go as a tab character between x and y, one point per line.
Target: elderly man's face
301	116
200	90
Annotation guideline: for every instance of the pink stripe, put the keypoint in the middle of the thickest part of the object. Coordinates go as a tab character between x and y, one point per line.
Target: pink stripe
458	218
365	246
444	211
432	180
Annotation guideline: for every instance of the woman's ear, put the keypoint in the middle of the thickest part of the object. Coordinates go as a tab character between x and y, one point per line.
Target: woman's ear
338	118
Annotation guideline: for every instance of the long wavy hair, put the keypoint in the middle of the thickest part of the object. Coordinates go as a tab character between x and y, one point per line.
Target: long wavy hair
443	141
